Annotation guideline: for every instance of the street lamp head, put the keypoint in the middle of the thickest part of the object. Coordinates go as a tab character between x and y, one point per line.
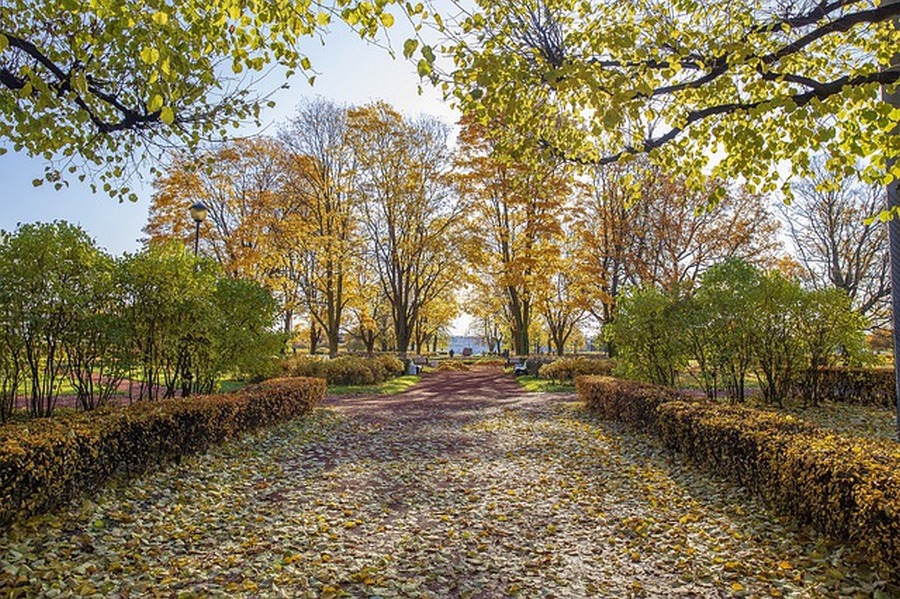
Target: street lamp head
198	212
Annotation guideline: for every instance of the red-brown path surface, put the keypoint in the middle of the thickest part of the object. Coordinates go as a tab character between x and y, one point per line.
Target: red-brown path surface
441	394
464	486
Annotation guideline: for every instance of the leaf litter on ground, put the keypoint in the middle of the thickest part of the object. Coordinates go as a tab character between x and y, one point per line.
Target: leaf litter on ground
532	499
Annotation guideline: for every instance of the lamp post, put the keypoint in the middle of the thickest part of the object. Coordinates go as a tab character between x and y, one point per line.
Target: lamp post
198	213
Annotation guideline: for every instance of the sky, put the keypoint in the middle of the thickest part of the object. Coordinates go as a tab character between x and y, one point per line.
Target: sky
349	71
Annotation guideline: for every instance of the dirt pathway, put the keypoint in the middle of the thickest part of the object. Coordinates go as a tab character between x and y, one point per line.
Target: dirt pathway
464	486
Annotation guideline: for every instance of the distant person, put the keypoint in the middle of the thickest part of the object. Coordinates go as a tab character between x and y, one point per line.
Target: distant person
451	353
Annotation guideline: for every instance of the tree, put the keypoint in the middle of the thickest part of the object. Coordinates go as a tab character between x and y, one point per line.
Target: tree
241	315
168	314
95	85
49	275
95	339
830	330
563	300
434	322
258	219
408	209
489	321
649	333
515	221
721	326
243	197
318	147
596	82
371	310
834	242
641	226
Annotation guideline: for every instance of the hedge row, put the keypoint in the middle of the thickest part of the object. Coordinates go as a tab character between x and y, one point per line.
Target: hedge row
346	370
45	463
848	488
567	369
870	386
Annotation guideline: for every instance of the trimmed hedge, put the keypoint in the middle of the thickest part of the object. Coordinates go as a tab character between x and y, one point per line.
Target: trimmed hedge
346	370
846	487
44	463
453	366
869	386
567	369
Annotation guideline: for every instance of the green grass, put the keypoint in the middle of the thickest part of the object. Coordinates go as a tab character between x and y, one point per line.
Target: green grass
533	383
229	386
391	387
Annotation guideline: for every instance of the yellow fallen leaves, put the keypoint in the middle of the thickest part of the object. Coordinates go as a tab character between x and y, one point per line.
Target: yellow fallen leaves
532	501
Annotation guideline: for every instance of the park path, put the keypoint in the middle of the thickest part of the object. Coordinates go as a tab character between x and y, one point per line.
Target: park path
464	486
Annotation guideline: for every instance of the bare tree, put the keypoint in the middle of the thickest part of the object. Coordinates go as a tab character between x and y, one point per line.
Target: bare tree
835	244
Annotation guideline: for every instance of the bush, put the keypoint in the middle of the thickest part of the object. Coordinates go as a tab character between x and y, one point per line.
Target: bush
566	369
452	365
391	366
631	402
346	370
50	461
533	364
848	488
868	386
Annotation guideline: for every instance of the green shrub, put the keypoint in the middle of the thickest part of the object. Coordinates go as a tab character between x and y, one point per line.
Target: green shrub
848	488
566	369
49	461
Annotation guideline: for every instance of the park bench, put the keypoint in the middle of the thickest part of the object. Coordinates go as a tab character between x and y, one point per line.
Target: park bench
416	364
518	365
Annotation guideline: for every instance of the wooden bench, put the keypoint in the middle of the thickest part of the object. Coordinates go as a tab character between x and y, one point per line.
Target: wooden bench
518	365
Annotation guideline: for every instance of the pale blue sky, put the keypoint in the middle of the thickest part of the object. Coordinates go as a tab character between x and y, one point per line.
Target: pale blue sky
350	71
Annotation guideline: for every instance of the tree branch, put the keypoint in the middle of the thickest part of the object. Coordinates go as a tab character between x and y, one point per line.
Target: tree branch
131	119
822	92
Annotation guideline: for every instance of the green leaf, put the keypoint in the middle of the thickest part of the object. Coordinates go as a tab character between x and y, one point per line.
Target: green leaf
167	115
150	55
409	47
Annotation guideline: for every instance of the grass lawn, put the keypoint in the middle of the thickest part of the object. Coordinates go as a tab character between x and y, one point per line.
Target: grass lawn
391	387
533	383
230	386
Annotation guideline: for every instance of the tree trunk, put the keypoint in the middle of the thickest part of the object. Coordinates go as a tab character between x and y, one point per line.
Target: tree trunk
314	335
893	202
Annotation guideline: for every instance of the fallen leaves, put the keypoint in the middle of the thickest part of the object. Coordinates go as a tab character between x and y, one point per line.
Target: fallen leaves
534	500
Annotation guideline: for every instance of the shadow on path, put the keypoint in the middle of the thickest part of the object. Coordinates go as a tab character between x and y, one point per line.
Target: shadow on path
454	395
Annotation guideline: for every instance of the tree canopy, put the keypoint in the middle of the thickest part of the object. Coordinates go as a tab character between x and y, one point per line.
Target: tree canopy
91	86
736	85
